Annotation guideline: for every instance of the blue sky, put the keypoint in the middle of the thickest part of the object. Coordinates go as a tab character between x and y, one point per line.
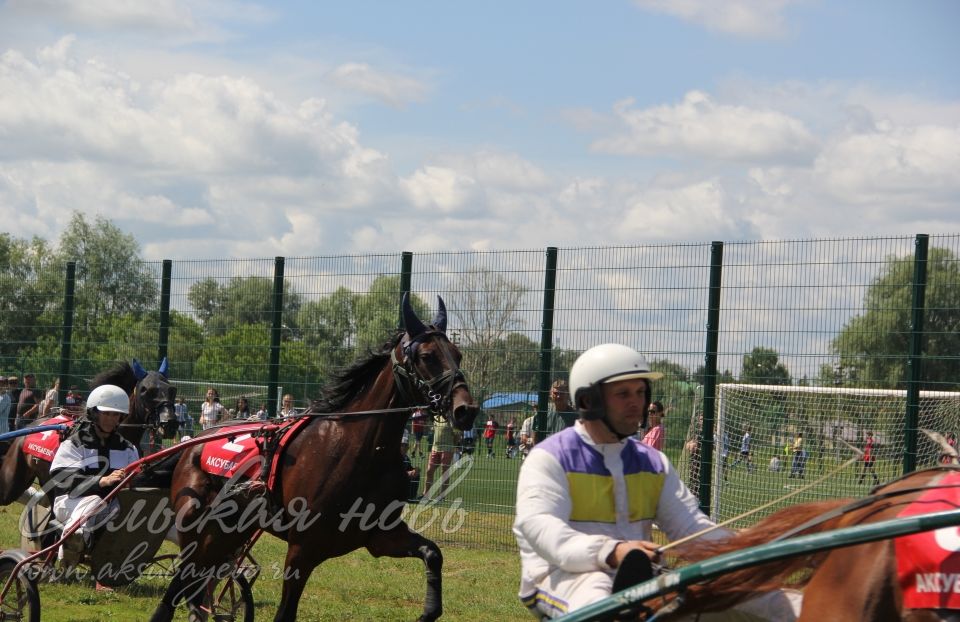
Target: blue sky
209	128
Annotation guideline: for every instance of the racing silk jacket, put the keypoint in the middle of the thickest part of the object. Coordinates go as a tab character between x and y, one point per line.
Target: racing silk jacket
577	499
82	459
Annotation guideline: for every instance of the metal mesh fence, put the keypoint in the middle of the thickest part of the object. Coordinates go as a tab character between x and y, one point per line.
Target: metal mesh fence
819	313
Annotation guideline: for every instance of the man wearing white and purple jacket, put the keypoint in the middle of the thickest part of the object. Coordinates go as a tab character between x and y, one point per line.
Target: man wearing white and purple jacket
589	495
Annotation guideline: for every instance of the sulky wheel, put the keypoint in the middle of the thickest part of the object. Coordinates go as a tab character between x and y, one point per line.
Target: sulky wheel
22	600
230	600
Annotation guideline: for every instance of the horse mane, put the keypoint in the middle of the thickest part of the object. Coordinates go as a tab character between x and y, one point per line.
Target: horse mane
348	382
121	375
731	588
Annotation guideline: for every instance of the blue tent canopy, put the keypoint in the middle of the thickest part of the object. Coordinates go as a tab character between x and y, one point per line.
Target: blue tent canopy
500	400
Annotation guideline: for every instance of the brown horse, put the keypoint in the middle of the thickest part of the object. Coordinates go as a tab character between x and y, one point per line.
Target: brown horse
151	400
345	461
861	582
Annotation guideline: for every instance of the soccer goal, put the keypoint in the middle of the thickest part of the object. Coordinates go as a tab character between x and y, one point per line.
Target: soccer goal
770	440
193	393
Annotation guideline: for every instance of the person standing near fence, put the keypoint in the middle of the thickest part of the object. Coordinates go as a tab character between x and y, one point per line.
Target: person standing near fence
28	403
441	454
587	497
654	435
528	436
287	409
867	460
51	400
558	409
418	426
211	411
4	406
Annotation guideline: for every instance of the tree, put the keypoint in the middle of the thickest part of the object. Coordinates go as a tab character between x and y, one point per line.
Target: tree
121	337
30	279
111	276
762	366
700	376
241	301
486	306
873	347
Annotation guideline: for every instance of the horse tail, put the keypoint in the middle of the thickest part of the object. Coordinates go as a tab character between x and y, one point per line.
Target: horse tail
723	592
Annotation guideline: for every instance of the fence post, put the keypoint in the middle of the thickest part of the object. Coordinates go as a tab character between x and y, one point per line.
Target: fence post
546	339
164	339
66	345
915	359
705	471
406	271
275	334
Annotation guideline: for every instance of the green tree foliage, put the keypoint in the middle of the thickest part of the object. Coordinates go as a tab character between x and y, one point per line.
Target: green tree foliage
28	287
120	338
762	366
376	314
111	276
873	347
700	376
241	301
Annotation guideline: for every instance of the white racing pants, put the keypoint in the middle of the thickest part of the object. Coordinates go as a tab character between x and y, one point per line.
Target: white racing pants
68	510
562	592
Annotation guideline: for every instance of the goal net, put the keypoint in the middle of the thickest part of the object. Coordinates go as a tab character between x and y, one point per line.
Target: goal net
831	425
193	393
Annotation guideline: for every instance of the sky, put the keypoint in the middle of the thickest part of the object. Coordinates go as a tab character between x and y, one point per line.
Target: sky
217	129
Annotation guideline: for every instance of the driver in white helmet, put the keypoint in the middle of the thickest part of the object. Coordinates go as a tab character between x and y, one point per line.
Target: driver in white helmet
587	496
89	463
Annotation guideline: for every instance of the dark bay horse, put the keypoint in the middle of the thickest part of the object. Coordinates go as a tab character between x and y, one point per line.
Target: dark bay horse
863	582
151	400
346	457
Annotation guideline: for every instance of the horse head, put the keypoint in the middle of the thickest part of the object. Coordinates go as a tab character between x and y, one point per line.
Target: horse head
432	363
154	396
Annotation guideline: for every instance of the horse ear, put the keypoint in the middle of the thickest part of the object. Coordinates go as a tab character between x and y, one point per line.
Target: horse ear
138	370
440	320
163	367
411	323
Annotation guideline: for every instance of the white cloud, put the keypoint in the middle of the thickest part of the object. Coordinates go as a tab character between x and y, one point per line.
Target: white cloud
700	127
893	164
746	18
438	187
112	14
696	211
392	89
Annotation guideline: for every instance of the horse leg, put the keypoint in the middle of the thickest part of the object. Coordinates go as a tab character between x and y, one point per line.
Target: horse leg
298	566
401	542
171	598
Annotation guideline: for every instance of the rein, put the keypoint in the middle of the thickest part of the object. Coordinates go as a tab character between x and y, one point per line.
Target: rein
865	501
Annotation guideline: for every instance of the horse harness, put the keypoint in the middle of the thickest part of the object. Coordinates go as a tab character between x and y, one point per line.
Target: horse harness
413	387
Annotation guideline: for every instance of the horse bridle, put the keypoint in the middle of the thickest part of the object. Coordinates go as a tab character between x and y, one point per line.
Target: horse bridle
437	390
152	419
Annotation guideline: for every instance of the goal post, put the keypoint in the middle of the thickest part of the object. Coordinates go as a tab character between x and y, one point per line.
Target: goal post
832	424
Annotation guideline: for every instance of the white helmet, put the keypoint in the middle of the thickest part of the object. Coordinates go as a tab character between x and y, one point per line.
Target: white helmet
608	362
109	397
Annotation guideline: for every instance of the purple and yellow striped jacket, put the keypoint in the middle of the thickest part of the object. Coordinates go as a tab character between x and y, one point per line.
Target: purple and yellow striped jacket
591	484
